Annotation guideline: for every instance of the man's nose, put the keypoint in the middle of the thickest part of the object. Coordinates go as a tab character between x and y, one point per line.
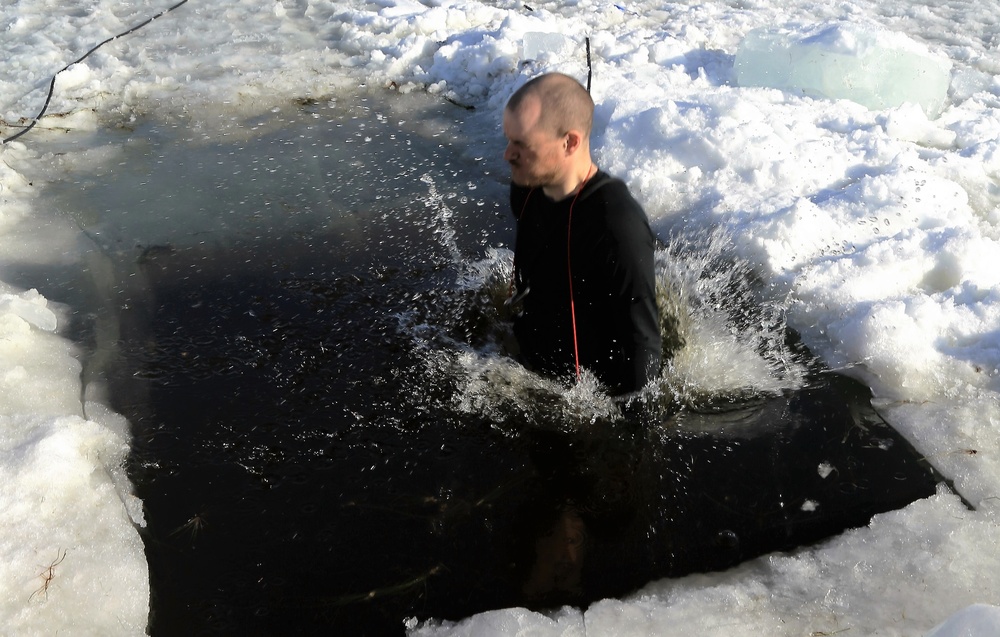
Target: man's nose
509	154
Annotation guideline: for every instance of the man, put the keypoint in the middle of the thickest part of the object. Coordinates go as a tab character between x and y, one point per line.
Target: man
583	260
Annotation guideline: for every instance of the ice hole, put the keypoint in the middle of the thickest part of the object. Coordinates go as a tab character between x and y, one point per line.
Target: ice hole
284	308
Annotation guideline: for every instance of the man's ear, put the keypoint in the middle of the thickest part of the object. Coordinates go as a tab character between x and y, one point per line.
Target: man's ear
573	141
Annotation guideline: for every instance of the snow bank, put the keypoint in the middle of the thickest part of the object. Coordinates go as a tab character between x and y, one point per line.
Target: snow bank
70	556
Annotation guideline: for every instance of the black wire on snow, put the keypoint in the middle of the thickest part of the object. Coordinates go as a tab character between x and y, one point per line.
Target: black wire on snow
52	84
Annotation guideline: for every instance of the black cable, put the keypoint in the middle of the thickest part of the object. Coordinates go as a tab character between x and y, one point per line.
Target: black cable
52	84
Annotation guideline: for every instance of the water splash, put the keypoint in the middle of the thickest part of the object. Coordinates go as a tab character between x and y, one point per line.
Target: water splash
443	219
724	340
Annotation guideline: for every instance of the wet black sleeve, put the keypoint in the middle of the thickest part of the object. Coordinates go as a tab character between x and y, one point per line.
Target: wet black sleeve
630	262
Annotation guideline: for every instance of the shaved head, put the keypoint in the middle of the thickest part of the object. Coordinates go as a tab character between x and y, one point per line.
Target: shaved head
547	124
565	104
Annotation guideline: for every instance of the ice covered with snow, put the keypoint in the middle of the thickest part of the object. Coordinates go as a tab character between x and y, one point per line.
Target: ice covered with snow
877	224
71	558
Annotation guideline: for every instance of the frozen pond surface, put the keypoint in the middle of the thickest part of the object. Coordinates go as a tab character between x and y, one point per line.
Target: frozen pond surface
285	309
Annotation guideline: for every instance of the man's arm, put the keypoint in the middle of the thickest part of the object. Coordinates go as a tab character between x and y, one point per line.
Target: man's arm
634	286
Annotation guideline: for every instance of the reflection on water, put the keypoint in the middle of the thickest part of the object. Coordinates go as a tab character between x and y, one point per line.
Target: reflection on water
330	439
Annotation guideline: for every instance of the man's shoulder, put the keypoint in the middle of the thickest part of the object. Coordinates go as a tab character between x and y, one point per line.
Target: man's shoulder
611	195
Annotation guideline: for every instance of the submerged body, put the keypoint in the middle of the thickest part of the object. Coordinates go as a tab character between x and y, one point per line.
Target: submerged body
585	280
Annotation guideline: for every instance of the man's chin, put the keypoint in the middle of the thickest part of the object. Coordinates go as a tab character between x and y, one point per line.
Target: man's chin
522	180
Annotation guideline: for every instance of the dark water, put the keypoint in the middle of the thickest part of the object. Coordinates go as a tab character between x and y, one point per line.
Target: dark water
286	344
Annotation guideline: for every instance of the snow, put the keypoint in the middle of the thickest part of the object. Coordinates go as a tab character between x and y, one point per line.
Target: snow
877	223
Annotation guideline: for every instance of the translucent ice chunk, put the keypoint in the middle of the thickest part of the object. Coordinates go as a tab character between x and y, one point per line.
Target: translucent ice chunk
536	43
866	64
978	620
31	307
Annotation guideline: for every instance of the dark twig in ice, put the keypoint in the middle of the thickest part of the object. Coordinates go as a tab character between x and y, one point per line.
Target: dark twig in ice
195	525
393	589
954	452
48	575
52	84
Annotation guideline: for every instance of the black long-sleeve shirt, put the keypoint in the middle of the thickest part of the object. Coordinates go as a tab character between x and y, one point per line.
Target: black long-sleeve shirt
610	247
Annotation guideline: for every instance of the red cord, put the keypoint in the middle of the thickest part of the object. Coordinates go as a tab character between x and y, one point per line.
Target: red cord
569	266
569	270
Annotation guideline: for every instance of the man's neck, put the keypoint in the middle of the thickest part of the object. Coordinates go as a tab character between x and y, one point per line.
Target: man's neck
575	179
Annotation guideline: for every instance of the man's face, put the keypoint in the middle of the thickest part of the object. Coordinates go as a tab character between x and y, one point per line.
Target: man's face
536	156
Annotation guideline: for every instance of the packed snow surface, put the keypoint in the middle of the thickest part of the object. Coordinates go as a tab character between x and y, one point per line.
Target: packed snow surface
877	220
